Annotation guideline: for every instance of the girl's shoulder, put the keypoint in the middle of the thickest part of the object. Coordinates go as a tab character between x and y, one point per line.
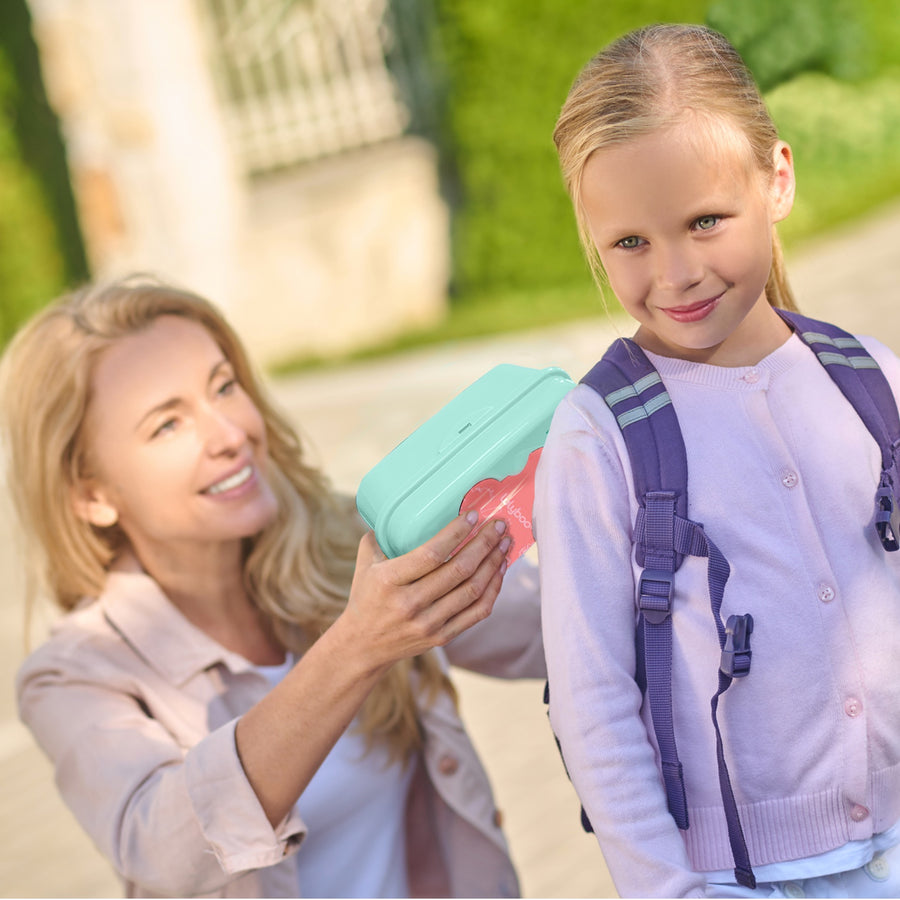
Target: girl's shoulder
887	360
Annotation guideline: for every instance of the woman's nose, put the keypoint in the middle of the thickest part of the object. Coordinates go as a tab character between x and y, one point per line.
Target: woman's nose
222	433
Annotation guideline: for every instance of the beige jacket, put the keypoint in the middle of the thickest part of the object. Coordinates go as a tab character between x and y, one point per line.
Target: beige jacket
136	709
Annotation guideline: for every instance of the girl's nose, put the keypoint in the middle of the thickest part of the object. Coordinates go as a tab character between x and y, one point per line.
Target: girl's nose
677	269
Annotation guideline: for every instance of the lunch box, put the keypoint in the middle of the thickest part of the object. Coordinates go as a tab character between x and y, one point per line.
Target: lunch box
477	452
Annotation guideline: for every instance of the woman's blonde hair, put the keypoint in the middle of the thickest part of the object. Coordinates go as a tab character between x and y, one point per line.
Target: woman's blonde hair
298	570
649	79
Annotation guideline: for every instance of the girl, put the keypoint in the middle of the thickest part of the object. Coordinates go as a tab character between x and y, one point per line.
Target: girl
678	177
238	702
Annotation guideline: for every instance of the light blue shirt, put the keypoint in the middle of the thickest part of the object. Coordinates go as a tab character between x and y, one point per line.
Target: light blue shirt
355	810
852	855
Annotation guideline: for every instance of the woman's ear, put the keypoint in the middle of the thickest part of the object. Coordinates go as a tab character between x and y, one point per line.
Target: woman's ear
91	506
781	192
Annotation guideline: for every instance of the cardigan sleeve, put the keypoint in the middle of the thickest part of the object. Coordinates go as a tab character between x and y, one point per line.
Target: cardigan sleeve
176	821
583	519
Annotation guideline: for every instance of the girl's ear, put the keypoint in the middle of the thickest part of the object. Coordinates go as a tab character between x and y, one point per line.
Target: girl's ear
783	185
91	506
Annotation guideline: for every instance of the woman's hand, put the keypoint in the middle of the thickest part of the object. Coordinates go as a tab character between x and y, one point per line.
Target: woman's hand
397	608
404	606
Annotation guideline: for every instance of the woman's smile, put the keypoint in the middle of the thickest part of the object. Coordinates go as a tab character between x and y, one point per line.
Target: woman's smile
230	483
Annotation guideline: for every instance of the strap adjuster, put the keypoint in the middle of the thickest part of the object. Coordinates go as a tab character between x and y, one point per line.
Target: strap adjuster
655	592
736	654
887	516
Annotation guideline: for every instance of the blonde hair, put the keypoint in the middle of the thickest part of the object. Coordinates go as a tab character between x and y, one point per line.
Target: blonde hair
297	570
649	79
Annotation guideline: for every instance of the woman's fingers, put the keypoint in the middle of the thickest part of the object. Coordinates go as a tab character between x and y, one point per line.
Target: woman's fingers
461	571
469	602
428	596
431	555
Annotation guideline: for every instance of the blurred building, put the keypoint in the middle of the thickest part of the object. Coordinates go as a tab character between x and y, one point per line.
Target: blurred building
260	152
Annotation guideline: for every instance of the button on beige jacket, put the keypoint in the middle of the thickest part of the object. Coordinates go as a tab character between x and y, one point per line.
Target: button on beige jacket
136	709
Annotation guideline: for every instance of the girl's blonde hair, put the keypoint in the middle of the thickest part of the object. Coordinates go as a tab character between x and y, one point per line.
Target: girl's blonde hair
652	78
298	570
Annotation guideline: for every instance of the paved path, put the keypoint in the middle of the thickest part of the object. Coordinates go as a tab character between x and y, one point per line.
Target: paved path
352	417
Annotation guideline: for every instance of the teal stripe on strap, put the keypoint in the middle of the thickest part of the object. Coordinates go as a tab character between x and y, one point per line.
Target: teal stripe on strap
632	390
645	411
853	362
813	337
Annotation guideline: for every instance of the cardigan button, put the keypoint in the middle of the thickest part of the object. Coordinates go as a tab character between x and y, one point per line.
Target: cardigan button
448	765
859	813
498	818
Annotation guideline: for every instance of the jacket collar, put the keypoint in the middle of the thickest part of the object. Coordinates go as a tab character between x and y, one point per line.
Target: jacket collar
136	607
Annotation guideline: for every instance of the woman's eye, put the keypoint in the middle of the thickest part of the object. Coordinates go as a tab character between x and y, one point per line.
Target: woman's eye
165	428
704	223
227	387
629	243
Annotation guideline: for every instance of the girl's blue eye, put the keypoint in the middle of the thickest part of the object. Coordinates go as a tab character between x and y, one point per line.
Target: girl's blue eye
227	387
629	243
704	223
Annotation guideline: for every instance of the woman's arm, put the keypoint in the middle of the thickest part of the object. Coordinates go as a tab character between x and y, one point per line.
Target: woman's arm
398	608
209	814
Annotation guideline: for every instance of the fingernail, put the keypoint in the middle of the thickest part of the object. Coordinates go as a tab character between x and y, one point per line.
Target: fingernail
472	517
500	525
505	544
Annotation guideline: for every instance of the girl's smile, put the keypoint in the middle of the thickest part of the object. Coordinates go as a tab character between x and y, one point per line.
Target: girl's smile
684	234
695	311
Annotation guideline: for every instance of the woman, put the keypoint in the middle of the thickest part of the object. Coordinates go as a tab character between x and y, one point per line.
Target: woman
244	697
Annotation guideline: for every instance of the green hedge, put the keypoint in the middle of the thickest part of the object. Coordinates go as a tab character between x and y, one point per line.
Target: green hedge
41	251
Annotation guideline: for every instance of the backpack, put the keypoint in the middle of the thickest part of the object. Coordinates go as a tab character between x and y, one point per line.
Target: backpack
663	534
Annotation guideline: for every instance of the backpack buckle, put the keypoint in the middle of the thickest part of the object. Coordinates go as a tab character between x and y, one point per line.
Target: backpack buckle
887	516
736	654
655	591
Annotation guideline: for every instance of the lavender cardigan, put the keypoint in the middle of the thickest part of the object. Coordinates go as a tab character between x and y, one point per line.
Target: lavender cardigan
782	474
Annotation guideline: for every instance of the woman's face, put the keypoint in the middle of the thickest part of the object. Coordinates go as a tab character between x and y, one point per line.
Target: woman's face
175	449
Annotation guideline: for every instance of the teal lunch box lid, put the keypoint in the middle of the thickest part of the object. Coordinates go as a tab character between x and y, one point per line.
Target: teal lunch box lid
488	431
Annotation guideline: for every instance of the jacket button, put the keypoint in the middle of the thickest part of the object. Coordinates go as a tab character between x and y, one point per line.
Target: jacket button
498	818
448	765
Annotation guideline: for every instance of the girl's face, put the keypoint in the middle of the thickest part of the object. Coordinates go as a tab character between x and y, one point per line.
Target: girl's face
176	450
685	237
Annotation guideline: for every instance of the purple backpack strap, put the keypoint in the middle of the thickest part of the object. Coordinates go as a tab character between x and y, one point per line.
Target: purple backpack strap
863	383
663	535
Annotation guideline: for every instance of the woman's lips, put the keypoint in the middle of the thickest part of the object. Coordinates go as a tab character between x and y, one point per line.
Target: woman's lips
693	312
